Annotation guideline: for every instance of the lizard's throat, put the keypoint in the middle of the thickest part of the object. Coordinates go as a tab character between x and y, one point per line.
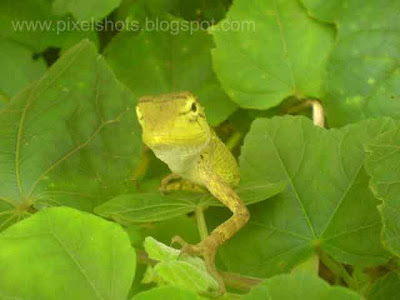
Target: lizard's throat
180	158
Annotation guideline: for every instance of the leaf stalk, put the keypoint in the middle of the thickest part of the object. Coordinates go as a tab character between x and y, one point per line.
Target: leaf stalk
338	269
201	222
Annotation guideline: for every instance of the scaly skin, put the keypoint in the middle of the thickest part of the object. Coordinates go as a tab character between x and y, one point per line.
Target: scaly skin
175	128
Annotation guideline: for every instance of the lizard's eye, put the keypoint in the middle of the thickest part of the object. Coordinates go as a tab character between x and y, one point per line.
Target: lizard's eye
193	108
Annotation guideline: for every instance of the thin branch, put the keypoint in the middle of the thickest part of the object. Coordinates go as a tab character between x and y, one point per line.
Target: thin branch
239	282
143	166
201	222
318	113
234	140
338	269
317	108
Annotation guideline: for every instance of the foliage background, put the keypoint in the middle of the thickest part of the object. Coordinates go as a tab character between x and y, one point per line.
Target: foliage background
78	193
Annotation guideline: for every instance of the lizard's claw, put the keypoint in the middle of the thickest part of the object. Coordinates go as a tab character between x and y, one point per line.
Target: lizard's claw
207	249
186	247
163	188
165	182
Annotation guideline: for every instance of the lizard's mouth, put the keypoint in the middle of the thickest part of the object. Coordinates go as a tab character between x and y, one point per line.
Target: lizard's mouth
161	142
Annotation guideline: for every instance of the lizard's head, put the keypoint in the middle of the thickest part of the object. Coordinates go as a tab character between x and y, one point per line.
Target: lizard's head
172	120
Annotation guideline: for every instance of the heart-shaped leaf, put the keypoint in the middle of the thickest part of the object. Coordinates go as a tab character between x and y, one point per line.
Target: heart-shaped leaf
61	253
327	206
270	50
71	138
363	74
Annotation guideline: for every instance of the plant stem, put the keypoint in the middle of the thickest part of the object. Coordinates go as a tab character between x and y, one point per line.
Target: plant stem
338	270
243	283
201	222
317	111
234	140
143	166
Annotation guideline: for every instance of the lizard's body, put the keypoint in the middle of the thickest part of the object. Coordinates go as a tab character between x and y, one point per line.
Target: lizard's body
175	128
189	162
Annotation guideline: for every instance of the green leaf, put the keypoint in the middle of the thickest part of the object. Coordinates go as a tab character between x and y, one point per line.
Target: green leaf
383	165
167	292
61	253
151	207
71	138
148	207
3	100
311	265
386	288
175	61
363	74
273	50
90	10
327	206
139	10
342	13
32	23
363	77
299	286
195	10
181	270
18	67
209	10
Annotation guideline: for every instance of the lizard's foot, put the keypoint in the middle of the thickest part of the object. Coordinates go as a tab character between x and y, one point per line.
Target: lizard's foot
186	247
165	182
174	182
208	250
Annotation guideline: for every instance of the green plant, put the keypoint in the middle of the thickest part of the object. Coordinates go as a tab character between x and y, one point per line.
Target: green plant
80	213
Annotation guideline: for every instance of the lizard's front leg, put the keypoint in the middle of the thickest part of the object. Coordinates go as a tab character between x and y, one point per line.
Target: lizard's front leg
166	181
174	182
209	246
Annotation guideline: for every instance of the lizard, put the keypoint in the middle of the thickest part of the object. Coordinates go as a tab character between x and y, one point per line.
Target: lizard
175	128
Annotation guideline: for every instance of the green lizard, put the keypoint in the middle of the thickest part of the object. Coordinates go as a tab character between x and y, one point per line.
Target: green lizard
175	128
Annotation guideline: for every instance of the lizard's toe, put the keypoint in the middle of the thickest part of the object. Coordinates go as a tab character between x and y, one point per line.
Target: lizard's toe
186	247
